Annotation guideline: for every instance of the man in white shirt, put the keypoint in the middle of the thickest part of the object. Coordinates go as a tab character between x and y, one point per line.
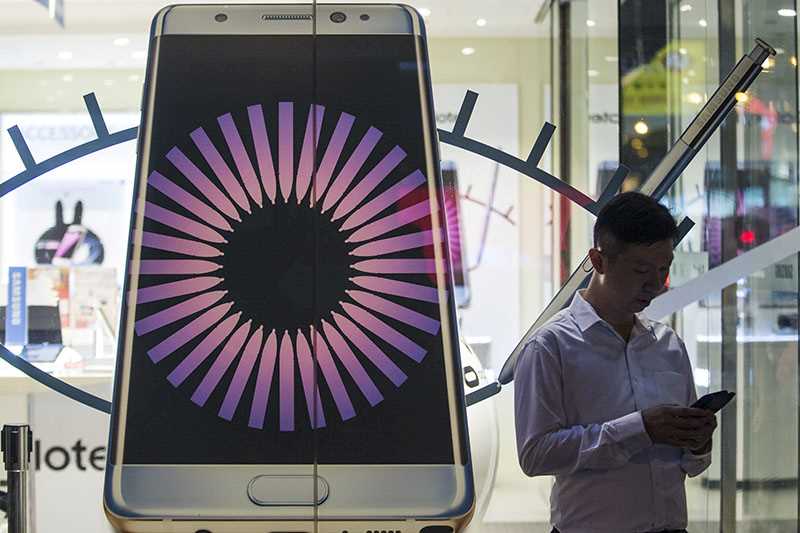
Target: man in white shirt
601	392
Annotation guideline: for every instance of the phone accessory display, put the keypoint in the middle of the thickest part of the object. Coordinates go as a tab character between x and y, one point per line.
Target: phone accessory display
69	244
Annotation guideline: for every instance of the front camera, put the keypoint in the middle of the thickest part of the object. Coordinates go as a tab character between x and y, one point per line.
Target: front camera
338	17
364	17
220	17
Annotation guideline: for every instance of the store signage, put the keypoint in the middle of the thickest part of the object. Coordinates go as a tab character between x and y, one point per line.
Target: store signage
78	456
16	310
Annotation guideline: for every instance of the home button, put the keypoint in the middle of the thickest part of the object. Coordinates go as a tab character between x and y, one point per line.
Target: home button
287	490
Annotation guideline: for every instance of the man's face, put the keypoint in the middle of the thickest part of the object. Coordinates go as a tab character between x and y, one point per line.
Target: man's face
637	274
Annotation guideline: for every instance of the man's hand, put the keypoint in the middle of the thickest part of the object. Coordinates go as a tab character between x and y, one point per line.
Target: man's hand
684	427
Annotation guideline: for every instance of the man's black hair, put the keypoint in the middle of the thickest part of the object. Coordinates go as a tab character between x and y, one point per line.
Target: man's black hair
632	218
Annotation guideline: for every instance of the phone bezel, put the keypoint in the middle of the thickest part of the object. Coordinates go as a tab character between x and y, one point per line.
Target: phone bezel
189	492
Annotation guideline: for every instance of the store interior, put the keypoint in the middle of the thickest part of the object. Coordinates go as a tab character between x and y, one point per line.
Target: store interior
620	81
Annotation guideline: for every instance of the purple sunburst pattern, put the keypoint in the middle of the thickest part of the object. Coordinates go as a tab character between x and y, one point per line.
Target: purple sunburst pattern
228	257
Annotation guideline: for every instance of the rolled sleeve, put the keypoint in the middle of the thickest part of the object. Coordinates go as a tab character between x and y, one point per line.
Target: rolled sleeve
693	464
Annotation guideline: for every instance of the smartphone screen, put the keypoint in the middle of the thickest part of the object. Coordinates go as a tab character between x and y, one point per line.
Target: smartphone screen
246	277
454	232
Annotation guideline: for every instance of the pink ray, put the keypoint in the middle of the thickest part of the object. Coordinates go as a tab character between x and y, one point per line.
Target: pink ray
332	153
286	148
181	223
394	244
396	311
220	168
352	364
266	371
306	364
266	167
373	178
183	198
397	288
385	331
366	346
183	287
351	167
240	157
202	183
176	266
286	383
391	222
176	312
384	200
308	153
201	352
241	376
396	266
332	378
177	245
221	364
188	332
67	242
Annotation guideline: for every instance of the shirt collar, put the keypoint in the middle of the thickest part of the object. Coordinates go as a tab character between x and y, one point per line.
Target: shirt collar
586	317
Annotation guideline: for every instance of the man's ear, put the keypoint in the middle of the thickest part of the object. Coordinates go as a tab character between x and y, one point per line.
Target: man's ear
597	260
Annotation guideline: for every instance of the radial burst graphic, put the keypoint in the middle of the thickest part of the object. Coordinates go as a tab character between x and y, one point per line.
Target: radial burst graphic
287	276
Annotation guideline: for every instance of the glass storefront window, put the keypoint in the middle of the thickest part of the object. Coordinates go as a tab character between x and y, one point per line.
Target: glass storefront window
619	79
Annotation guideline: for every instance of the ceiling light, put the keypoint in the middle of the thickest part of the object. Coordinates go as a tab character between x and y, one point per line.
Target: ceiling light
592	73
590	23
683	51
742	97
468	51
641	127
139	54
793	61
768	63
108	83
424	11
779	51
686	7
67	77
611	59
787	12
480	22
694	98
66	55
122	41
702	23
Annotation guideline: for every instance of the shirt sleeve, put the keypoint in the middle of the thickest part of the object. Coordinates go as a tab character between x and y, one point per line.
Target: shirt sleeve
545	445
692	464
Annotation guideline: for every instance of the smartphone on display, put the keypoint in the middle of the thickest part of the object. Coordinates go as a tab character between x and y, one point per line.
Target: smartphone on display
289	355
455	233
714	401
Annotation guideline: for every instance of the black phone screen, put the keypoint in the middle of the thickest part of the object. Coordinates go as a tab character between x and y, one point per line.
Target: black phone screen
269	264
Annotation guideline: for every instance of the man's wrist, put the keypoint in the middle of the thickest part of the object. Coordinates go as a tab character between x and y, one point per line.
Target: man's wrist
706	448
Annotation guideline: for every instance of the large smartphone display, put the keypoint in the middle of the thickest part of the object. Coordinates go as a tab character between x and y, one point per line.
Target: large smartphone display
263	254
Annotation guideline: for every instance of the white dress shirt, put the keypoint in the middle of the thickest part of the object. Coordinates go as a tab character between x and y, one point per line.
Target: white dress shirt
579	389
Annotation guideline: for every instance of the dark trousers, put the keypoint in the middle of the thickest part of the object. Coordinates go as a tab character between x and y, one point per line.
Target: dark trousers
665	531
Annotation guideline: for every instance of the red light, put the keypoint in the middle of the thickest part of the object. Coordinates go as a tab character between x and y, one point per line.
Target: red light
748	236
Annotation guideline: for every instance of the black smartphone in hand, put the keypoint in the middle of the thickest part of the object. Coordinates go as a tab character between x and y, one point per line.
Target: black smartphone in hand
714	401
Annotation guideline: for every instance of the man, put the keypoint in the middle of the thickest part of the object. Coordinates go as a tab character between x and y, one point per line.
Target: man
600	392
